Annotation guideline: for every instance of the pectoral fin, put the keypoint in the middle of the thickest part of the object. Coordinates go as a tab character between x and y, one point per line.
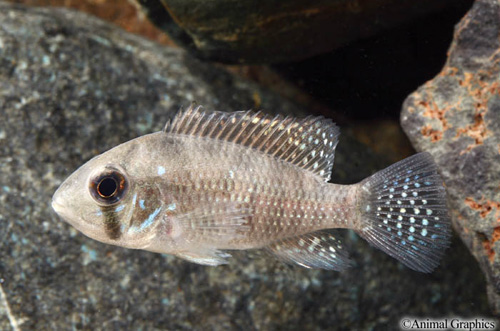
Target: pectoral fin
217	220
195	234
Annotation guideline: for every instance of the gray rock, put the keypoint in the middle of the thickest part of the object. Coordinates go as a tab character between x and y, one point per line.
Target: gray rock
456	117
71	87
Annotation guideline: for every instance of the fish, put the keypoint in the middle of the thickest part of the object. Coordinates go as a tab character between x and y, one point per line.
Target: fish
212	182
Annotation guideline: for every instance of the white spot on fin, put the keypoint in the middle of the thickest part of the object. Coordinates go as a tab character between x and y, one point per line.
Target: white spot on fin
418	243
309	251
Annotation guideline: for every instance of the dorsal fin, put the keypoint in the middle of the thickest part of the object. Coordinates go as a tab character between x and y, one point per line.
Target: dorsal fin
308	143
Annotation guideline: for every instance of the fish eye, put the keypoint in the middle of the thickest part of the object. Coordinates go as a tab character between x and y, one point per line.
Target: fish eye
108	187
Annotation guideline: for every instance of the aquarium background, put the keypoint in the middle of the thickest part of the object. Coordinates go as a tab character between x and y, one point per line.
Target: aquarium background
73	86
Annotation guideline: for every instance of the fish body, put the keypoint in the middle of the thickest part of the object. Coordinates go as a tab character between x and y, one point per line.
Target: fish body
213	182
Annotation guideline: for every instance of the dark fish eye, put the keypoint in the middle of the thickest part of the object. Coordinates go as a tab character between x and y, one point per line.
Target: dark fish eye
108	187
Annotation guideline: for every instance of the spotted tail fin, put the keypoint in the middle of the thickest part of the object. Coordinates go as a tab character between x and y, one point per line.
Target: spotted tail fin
405	212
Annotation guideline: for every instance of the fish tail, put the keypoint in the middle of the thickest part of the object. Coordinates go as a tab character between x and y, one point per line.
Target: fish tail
403	212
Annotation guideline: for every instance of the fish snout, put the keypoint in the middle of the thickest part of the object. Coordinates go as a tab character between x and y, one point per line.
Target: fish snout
56	205
58	202
61	200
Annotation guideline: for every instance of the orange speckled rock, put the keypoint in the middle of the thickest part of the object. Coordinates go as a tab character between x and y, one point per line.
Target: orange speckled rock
456	117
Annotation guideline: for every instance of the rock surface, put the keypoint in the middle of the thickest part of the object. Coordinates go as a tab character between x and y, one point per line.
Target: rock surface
71	87
278	31
122	13
456	117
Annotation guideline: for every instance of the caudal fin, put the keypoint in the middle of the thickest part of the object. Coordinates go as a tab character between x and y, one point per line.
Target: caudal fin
405	214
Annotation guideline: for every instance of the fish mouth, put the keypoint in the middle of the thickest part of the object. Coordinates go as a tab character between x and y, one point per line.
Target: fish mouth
56	201
58	204
58	208
62	211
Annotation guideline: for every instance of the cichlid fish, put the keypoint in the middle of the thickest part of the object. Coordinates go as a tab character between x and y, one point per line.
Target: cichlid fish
215	181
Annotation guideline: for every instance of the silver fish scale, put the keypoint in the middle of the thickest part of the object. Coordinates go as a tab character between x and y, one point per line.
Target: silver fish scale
277	208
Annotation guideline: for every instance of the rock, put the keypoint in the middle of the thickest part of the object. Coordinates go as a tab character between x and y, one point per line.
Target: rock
121	13
277	31
72	86
456	117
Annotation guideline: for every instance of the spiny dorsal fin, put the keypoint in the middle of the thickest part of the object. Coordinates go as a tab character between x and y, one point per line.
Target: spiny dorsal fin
308	143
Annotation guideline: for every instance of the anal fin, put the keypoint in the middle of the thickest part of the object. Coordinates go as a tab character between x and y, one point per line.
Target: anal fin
316	250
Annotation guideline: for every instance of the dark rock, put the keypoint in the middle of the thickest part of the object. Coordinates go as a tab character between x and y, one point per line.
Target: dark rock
456	117
71	87
277	31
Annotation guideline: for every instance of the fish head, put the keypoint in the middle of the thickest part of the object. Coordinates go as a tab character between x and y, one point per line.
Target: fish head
109	199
